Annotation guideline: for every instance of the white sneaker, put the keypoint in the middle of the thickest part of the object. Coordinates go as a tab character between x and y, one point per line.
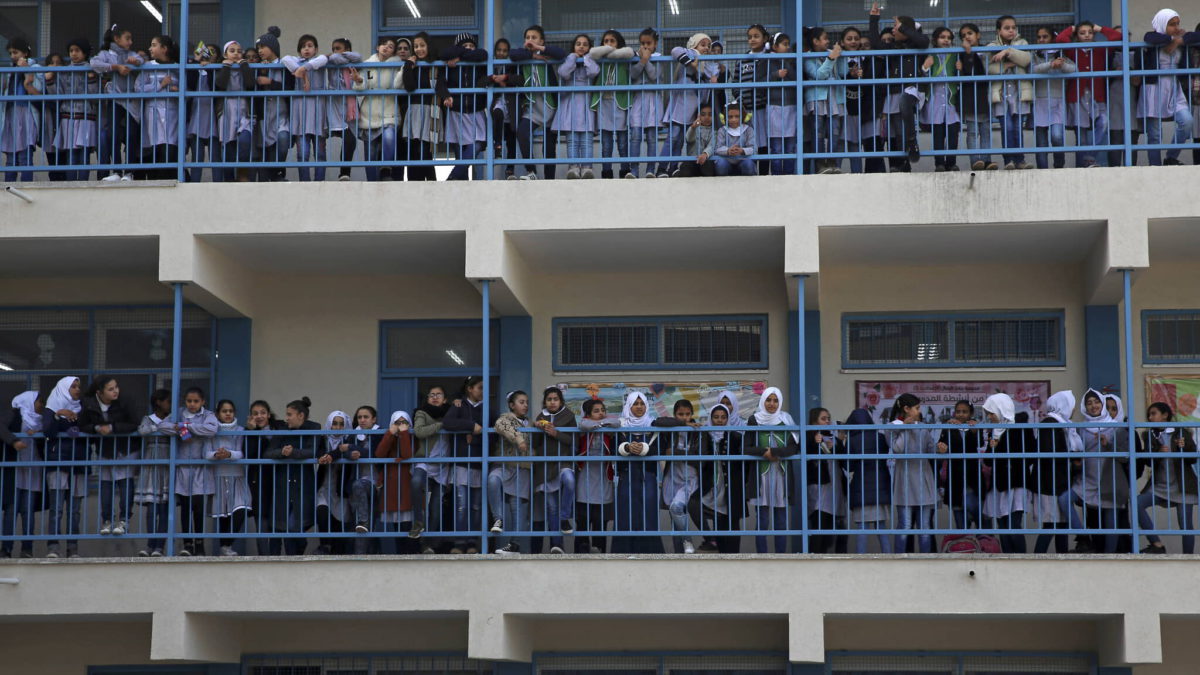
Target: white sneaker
509	549
529	176
650	174
228	552
111	178
664	174
361	529
183	553
156	553
343	178
428	551
572	173
688	548
106	528
120	528
52	554
557	550
631	175
143	553
127	178
497	526
512	176
588	173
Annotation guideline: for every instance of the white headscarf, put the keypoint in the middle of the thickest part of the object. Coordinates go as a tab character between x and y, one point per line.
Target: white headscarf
334	441
30	420
627	418
1061	405
695	40
1002	406
1102	417
771	419
400	414
1160	20
735	417
718	436
1120	416
60	398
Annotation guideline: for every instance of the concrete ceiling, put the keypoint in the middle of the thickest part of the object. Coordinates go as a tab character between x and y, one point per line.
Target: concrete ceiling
1174	240
442	253
79	257
1068	243
661	249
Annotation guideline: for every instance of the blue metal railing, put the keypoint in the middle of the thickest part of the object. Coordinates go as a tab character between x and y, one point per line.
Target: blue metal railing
508	138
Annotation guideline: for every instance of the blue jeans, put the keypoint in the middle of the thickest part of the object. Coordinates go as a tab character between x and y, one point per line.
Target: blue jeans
639	138
579	145
1011	133
201	147
979	137
117	128
20	158
467	152
306	145
276	152
860	540
1097	134
233	151
560	504
784	146
1108	518
25	511
771	518
118	493
59	507
742	167
969	512
468	507
915	518
156	523
1183	132
607	148
384	146
516	512
1182	511
1053	136
672	145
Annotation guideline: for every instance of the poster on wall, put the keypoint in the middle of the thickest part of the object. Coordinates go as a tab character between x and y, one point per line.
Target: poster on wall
662	396
1181	392
938	397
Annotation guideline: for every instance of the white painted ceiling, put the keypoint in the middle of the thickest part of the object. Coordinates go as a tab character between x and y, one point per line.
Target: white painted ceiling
347	253
759	248
79	257
958	244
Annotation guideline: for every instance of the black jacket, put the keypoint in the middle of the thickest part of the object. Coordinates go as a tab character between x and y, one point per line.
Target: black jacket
961	474
123	424
471	66
974	98
1012	472
419	75
462	419
61	442
294	483
901	67
1051	476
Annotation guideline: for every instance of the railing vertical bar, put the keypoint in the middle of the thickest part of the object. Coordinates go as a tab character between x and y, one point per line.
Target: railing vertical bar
489	43
485	286
1127	321
176	358
801	406
1126	100
181	140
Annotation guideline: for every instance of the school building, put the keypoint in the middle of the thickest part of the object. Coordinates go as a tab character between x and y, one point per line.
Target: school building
826	286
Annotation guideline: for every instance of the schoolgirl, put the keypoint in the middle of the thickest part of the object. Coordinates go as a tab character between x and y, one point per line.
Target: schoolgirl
612	107
153	490
274	136
870	488
595	479
646	109
19	123
824	107
1051	477
466	422
202	112
27	481
234	126
294	483
103	414
510	484
1049	105
941	108
196	427
66	486
1088	104
770	492
308	112
1172	482
1007	500
682	105
1011	99
637	482
1163	97
77	133
903	100
397	502
466	114
341	112
575	116
914	491
160	115
755	69
559	480
422	122
231	493
537	108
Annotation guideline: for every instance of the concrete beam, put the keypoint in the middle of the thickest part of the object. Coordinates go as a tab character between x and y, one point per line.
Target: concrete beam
214	282
491	255
1126	245
806	637
1134	638
496	636
187	636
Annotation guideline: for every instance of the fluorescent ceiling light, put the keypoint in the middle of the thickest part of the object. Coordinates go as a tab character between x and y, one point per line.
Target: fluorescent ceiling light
674	6
5	366
455	357
153	10
412	8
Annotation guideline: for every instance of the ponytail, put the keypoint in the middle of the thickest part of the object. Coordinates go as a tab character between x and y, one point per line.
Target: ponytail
301	406
905	400
110	36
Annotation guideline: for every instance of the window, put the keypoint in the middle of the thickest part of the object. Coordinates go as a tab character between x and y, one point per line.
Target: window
952	340
19	19
1171	336
1029	14
204	23
428	14
651	343
436	345
70	19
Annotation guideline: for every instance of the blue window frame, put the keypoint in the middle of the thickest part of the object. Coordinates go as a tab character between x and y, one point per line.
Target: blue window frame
724	342
959	662
1171	335
954	340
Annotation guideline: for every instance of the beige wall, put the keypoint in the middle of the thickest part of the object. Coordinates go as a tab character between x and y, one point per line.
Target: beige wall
846	289
1166	285
326	20
1142	11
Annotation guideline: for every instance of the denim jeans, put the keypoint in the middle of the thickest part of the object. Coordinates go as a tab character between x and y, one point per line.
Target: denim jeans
27	513
639	138
672	145
607	148
681	507
968	513
1052	136
20	158
1183	133
560	504
276	152
1097	134
1108	518
525	129
468	508
237	150
59	507
782	146
423	494
118	128
360	500
579	146
382	148
156	523
1012	134
464	152
1182	511
306	146
860	540
770	518
742	167
915	518
979	137
199	149
515	511
117	493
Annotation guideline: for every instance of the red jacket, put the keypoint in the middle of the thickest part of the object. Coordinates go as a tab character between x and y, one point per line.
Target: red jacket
1089	59
396	480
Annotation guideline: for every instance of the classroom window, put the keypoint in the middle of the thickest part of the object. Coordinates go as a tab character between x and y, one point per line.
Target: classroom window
435	345
70	19
660	343
17	19
955	340
1028	13
1171	336
204	23
428	14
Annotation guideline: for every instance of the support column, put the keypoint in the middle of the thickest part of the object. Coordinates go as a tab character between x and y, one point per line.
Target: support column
806	638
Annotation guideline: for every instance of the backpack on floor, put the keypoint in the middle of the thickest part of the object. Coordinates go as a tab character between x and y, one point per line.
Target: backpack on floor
961	543
988	544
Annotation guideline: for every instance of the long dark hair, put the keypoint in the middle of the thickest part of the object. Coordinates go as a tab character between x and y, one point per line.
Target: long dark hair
905	400
616	34
99	384
469	383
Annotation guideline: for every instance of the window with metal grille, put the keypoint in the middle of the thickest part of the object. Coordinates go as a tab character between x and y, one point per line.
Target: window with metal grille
1171	336
952	340
429	14
362	665
648	343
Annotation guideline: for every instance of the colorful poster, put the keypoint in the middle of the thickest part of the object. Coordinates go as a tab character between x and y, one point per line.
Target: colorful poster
1181	392
938	397
662	396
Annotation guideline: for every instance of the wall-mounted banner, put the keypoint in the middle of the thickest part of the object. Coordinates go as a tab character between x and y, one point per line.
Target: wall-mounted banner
938	397
662	396
1181	392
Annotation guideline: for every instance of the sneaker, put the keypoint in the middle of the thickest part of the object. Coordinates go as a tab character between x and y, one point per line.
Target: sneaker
143	553
529	176
939	169
708	546
993	166
362	528
688	548
675	174
572	173
1155	550
631	175
557	550
1010	166
663	174
428	551
836	170
73	555
1024	165
156	553
120	528
52	555
914	153
509	549
471	550
415	531
184	553
952	167
826	170
111	178
595	549
106	528
26	554
977	166
566	526
228	552
456	551
588	174
1170	161
343	178
650	174
497	526
511	176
